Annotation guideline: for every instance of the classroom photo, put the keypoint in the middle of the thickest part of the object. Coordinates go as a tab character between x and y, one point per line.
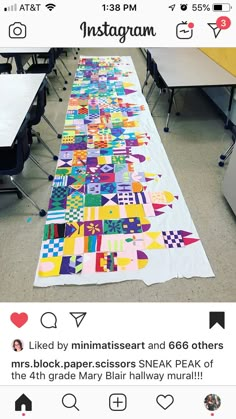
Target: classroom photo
117	175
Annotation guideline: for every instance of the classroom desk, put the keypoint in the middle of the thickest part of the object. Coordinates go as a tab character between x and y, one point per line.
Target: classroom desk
21	55
190	67
17	92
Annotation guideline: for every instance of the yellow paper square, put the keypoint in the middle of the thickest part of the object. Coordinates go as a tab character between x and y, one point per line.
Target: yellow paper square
134	210
69	246
111	212
50	266
104	160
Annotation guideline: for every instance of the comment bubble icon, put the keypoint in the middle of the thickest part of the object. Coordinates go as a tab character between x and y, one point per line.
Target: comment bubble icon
49	320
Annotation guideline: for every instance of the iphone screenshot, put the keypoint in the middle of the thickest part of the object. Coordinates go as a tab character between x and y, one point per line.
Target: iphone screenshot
117	209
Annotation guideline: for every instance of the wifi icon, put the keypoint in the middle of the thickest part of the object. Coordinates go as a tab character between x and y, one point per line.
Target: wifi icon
50	6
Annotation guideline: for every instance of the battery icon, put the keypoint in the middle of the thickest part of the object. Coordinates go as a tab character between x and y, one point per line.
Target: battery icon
221	7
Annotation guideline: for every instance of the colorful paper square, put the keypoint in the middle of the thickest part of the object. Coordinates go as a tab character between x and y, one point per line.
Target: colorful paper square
52	248
93	200
71	265
93	228
111	212
49	266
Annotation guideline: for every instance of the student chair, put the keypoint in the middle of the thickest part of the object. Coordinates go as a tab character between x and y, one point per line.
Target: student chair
57	52
8	56
35	114
5	68
149	92
75	51
61	51
161	85
148	70
12	160
158	82
47	68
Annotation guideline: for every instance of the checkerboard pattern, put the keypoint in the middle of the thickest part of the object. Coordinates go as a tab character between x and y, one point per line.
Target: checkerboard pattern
173	239
52	248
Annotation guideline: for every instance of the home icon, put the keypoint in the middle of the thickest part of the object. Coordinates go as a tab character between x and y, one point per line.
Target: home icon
23	401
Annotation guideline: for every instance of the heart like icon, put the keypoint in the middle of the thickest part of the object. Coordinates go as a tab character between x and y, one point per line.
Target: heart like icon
165	401
19	319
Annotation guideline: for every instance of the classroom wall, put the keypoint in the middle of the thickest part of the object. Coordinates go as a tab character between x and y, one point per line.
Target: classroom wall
226	57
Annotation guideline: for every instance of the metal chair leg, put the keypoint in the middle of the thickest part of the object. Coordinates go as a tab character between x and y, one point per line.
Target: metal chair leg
155	104
50	177
149	94
36	134
51	126
146	80
58	79
53	88
228	152
62	75
42	212
166	128
69	73
74	53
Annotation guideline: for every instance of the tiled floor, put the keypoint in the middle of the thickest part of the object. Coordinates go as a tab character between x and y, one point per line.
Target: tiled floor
195	141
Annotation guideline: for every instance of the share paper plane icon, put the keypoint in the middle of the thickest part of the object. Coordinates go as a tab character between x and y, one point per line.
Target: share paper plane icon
215	29
222	23
78	316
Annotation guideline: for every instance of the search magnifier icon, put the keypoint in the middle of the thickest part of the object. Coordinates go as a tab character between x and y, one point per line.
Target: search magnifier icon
69	400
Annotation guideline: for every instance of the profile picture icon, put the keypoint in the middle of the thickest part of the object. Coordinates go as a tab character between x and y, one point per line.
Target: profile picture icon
17	345
212	402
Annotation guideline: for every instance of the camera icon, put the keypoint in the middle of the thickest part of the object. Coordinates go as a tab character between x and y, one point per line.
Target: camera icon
17	30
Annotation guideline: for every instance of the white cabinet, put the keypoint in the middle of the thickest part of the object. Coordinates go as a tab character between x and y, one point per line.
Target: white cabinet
229	184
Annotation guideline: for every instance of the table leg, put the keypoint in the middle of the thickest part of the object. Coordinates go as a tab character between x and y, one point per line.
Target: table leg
229	107
11	190
34	59
166	129
19	65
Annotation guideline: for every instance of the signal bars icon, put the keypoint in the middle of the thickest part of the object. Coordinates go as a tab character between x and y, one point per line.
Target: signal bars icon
12	8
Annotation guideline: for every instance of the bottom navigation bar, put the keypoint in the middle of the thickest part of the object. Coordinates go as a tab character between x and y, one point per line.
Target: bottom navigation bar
104	401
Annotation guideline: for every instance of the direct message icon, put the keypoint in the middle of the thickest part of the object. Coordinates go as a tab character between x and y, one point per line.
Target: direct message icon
78	316
222	23
165	401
